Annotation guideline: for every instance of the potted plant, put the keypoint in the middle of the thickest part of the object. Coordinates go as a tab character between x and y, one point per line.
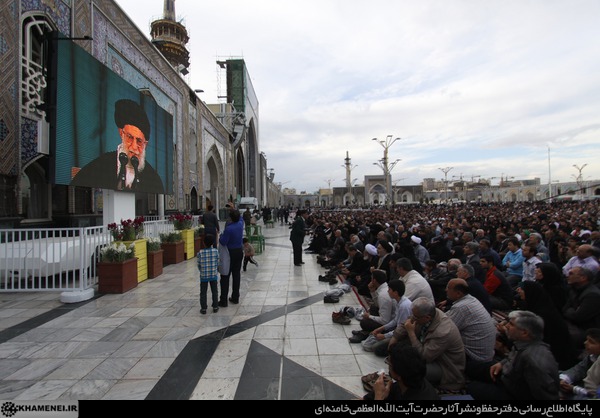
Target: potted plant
155	257
128	229
172	244
181	221
117	269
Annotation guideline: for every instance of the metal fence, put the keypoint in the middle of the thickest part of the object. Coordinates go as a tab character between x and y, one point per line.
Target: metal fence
58	259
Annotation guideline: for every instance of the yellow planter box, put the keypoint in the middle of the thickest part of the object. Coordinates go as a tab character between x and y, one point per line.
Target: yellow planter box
188	243
140	250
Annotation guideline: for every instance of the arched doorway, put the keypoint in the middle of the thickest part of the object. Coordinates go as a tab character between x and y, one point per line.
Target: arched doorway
194	200
34	192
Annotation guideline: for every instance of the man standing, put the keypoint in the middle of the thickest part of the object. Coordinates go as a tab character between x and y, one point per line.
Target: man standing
297	235
126	168
211	223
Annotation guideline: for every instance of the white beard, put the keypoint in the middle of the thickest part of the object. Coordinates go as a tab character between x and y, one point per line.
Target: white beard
129	171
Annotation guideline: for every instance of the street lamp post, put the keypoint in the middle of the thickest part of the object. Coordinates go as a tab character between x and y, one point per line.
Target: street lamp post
330	196
387	168
579	178
446	170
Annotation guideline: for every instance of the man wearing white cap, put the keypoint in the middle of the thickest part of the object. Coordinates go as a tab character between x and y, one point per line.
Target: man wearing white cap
420	252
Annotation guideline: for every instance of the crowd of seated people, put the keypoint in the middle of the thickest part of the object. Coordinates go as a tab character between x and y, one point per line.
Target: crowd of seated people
499	300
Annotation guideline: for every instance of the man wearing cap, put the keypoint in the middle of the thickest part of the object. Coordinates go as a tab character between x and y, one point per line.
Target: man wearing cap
420	252
126	168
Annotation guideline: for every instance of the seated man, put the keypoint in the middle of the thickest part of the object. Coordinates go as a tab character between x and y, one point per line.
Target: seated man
385	308
582	309
501	294
476	326
438	340
416	285
529	371
402	312
584	258
438	278
358	266
408	369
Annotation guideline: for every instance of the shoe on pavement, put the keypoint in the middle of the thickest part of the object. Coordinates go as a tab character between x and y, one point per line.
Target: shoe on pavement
203	311
223	303
235	302
331	299
356	339
215	310
340	318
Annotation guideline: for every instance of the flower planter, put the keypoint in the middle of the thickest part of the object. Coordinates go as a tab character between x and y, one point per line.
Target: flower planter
140	253
198	244
188	243
155	263
173	252
117	277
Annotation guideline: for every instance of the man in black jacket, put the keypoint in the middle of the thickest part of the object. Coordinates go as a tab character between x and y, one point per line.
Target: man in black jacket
297	233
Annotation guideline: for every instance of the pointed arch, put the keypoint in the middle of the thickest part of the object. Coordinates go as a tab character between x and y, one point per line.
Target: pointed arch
214	180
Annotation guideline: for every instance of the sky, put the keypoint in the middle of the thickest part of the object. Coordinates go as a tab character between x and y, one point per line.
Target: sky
488	88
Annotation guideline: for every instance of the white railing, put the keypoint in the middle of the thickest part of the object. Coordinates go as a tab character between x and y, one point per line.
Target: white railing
62	259
58	259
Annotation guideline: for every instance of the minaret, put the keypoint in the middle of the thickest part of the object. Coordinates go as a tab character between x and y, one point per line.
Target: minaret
170	38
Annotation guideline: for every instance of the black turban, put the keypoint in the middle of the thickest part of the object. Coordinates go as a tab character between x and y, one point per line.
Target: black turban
128	112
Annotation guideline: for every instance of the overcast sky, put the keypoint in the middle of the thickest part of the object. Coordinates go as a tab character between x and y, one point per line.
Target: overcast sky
484	86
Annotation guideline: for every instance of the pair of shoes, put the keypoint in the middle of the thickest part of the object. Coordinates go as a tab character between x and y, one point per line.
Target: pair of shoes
223	303
215	310
358	338
203	311
340	318
324	278
333	281
235	302
369	380
330	299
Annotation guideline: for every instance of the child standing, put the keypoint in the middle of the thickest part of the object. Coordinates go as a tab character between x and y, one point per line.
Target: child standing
208	264
248	253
